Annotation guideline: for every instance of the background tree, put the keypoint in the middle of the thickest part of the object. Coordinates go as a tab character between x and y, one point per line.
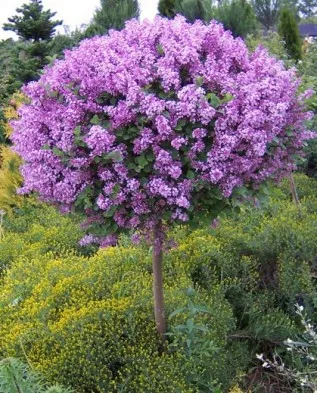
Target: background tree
237	16
267	11
194	9
35	28
112	14
167	8
33	23
308	8
288	30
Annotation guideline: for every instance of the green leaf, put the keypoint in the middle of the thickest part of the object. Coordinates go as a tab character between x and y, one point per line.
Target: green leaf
213	100
57	152
110	212
77	130
166	114
149	157
176	312
131	165
227	98
199	81
141	161
190	174
115	191
160	49
114	156
95	120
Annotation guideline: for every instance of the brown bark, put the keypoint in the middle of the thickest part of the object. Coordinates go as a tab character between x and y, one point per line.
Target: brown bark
294	193
159	309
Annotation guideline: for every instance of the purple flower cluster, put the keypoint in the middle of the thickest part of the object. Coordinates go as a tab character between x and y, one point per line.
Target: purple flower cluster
147	122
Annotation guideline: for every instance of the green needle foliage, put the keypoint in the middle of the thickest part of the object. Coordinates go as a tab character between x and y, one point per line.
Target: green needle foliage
237	16
112	14
167	8
288	30
21	61
32	23
194	9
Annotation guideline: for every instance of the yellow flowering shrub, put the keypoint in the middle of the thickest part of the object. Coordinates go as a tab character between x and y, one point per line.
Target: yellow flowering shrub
86	321
84	318
36	230
10	111
10	177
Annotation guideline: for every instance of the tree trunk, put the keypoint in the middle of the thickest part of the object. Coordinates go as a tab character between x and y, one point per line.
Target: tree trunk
159	309
294	193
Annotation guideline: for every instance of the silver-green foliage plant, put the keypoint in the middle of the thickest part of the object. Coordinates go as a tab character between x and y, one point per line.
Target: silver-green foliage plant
17	377
302	371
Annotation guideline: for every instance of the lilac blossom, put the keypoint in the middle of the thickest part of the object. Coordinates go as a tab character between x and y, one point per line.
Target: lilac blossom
152	121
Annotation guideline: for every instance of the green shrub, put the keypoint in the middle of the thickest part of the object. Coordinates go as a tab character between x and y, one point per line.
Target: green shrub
85	320
288	30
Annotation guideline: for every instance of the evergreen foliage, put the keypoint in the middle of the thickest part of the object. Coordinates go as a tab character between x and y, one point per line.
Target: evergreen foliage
237	16
288	30
33	23
167	8
22	60
112	14
194	9
267	11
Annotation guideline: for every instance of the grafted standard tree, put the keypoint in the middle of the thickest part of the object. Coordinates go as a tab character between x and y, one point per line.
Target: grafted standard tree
158	124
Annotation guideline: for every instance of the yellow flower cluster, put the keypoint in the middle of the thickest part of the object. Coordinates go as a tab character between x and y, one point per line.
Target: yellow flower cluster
10	111
10	177
87	321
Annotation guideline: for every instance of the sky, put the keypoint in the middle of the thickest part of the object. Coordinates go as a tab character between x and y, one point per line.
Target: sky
72	12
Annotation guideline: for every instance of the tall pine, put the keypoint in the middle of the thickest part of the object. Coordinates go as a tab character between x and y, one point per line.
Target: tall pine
32	23
288	30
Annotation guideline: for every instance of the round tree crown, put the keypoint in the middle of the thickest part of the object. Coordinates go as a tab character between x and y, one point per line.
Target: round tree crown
161	120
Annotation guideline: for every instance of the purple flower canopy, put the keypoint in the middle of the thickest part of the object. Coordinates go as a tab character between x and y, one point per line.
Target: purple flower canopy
154	121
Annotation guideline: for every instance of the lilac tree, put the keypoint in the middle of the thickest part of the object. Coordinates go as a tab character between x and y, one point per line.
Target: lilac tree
157	124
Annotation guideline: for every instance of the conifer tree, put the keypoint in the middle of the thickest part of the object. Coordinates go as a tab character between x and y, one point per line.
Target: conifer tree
112	14
33	23
167	8
237	16
194	9
288	30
